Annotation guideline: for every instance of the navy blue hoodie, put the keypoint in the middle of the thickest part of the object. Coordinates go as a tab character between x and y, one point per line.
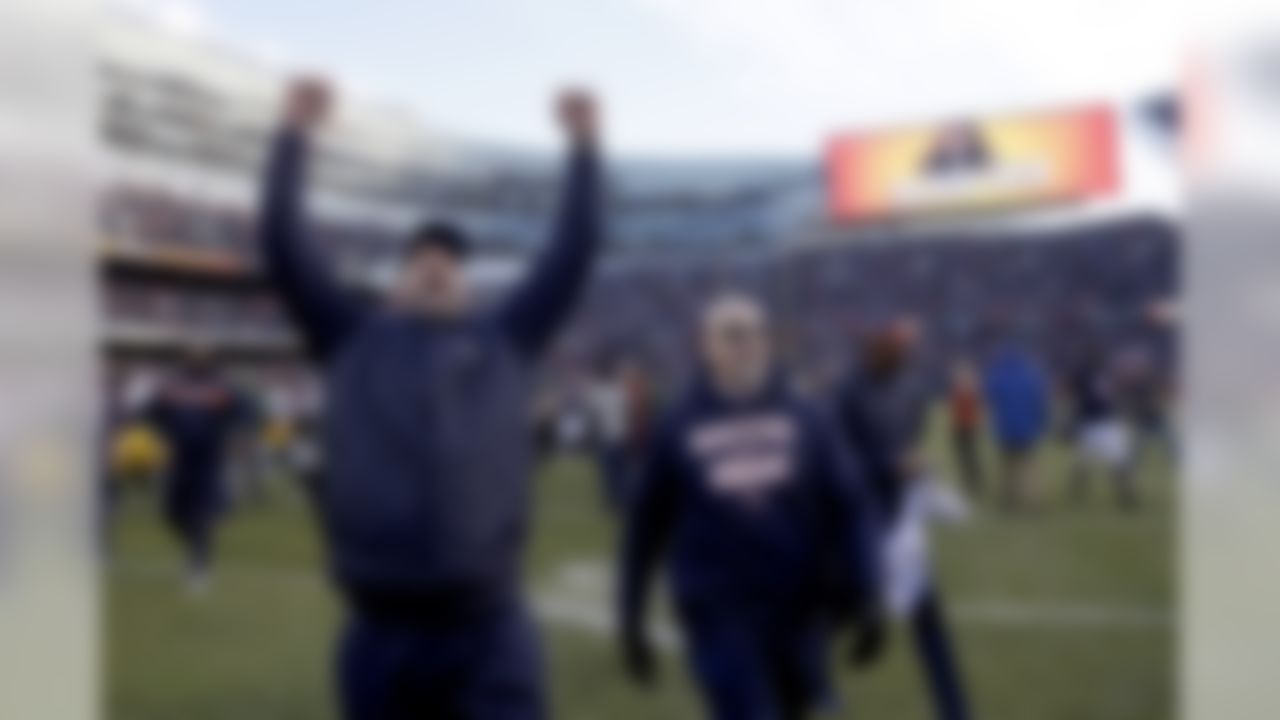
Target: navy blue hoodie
757	504
196	415
426	495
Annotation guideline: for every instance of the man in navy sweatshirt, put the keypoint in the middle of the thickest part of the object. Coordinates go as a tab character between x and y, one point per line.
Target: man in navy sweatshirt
768	529
425	501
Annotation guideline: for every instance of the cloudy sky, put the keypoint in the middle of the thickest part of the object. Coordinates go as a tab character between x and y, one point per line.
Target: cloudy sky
708	76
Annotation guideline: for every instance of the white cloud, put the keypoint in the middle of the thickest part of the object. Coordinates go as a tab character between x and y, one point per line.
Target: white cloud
183	17
882	60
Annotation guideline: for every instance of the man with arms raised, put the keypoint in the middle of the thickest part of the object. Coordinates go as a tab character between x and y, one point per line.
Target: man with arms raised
425	500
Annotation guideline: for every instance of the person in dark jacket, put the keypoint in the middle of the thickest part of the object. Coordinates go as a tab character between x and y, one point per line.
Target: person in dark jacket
882	413
1102	438
883	417
425	500
196	413
768	530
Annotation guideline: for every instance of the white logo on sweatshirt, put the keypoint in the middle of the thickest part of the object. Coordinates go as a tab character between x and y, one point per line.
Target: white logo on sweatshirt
746	457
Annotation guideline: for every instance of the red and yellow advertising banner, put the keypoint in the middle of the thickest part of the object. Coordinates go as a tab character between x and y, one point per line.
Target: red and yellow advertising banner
974	165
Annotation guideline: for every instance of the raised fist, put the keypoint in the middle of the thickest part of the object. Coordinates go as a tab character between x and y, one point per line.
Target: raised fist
578	115
308	104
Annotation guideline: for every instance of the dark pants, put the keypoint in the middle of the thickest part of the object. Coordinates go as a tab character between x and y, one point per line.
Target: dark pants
483	668
932	641
758	669
968	459
616	472
192	520
193	503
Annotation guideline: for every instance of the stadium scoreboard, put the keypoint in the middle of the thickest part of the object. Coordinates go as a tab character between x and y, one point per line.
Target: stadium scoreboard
974	164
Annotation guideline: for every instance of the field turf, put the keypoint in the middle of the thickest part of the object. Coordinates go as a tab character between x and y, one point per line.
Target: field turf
1066	614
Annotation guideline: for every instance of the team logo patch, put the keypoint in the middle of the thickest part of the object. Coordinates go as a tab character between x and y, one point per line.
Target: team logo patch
748	457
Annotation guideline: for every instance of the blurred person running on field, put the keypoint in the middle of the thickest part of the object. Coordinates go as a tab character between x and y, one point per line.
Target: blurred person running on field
196	412
425	498
750	497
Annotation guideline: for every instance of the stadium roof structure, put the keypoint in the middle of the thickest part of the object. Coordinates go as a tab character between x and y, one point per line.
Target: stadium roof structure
194	111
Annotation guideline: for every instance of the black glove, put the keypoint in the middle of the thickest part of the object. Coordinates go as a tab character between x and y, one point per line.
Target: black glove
871	634
637	656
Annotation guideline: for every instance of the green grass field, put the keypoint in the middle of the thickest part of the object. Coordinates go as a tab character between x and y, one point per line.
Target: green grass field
1065	615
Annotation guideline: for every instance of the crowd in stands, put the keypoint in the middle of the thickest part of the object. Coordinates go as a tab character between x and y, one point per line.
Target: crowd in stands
145	219
1052	292
193	310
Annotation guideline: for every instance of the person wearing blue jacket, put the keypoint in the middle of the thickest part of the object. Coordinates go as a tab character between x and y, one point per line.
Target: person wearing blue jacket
425	501
767	528
1017	394
196	412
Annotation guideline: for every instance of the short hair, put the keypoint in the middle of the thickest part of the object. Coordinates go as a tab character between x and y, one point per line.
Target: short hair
732	303
437	235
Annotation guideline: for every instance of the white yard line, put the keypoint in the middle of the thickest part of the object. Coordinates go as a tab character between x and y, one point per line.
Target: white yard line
1061	616
588	579
579	598
596	618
